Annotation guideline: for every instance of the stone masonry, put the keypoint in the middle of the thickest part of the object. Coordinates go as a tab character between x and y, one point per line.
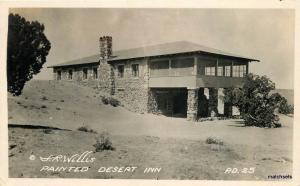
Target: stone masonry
192	104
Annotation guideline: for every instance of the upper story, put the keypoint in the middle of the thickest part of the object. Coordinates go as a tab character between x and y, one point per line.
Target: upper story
172	65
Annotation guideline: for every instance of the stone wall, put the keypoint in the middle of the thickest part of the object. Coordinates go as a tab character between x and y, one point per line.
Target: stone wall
106	81
192	104
77	75
213	102
132	91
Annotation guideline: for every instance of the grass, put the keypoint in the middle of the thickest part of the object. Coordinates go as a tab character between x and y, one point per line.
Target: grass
103	142
214	140
86	129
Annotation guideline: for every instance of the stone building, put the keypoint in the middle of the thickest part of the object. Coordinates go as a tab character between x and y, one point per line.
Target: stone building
179	79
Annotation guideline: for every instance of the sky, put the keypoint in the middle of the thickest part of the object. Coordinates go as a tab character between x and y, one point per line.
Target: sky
264	34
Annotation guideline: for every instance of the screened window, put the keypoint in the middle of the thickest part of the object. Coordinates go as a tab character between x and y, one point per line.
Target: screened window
121	71
227	71
135	70
220	71
58	75
95	73
210	71
182	66
70	74
85	72
159	68
239	70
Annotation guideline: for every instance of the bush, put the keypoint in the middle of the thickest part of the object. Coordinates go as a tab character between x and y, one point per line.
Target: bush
285	108
44	98
86	129
114	102
255	102
214	140
103	142
47	131
110	100
105	100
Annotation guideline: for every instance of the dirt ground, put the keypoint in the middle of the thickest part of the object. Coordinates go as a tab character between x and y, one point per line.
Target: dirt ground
141	140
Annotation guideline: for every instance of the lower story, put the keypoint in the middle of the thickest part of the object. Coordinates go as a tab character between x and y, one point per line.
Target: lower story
178	102
191	103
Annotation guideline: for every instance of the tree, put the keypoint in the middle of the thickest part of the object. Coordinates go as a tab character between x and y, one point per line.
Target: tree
255	102
27	48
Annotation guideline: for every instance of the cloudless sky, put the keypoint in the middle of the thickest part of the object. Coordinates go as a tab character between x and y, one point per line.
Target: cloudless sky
264	34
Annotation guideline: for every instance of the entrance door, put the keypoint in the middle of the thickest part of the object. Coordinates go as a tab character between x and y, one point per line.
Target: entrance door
180	103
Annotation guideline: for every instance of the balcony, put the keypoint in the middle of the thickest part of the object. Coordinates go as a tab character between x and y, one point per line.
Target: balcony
194	73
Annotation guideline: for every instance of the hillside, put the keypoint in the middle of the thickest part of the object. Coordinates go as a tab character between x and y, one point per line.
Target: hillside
175	145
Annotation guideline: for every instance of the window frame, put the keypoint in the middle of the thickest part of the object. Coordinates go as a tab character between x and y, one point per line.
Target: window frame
136	72
58	77
222	71
210	71
70	75
95	75
84	75
120	75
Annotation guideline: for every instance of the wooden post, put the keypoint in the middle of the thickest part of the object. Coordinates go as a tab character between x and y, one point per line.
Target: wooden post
170	67
231	68
195	66
216	68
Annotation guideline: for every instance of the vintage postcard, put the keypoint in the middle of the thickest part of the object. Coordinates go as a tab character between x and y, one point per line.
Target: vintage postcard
149	93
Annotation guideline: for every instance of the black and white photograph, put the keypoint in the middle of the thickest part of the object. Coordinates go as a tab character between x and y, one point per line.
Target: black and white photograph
150	93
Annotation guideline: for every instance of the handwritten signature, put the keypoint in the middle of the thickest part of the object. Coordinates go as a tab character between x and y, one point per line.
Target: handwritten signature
84	157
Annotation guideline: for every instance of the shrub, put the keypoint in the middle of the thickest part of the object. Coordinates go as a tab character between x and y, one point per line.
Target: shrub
47	131
105	100
255	102
285	108
43	106
114	102
214	140
44	98
86	129
103	142
110	100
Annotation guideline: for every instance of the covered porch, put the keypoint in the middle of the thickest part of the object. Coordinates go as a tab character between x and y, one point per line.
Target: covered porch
189	103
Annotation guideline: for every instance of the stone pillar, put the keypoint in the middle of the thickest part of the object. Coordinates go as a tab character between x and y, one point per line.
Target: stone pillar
227	108
192	104
152	103
213	102
220	101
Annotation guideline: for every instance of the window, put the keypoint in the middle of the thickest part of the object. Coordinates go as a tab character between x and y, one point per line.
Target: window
121	71
85	71
59	75
242	71
182	66
95	73
210	71
239	70
70	74
227	71
135	70
159	68
220	71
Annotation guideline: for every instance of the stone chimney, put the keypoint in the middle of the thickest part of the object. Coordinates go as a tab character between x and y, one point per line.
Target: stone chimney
105	47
